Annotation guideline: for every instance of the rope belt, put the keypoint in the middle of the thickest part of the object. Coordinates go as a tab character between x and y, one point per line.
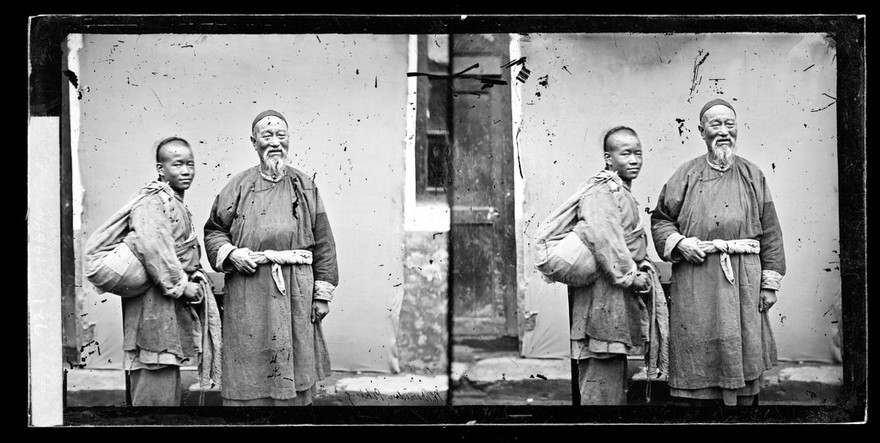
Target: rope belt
278	258
727	247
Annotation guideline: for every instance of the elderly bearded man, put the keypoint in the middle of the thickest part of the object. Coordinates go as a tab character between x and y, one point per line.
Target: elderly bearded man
269	233
716	222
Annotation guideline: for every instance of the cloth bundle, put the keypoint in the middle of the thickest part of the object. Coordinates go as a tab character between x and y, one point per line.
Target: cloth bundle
560	255
110	264
564	258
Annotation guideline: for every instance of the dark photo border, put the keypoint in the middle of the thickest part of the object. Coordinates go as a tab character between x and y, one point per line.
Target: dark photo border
46	93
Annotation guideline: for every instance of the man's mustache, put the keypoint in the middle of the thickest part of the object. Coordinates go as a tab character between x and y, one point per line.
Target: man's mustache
281	157
730	140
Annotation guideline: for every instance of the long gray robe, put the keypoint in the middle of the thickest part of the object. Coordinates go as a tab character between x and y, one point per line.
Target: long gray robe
718	338
271	349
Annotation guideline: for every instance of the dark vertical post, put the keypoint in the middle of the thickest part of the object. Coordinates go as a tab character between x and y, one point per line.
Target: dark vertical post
575	386
450	270
127	387
63	389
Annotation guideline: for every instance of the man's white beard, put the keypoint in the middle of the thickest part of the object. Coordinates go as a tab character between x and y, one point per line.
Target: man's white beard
274	165
723	154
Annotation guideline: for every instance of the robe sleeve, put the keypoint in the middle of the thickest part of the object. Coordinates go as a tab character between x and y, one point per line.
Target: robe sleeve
772	252
218	240
324	265
151	240
602	232
664	226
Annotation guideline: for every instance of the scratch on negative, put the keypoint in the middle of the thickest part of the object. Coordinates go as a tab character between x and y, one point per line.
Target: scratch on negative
826	106
518	159
694	81
157	97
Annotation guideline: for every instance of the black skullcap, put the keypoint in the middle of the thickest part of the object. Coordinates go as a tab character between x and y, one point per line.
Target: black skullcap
715	102
265	114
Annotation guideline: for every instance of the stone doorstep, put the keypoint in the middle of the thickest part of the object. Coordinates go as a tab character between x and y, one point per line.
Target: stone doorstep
517	368
95	380
114	379
383	388
510	380
375	389
498	369
785	384
106	387
784	372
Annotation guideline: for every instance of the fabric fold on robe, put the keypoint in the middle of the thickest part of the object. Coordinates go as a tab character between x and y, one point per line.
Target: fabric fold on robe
210	362
657	357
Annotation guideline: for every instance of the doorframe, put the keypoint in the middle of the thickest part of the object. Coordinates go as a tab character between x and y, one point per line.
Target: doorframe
516	91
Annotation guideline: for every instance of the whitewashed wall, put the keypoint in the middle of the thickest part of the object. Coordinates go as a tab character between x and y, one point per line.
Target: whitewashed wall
344	97
781	85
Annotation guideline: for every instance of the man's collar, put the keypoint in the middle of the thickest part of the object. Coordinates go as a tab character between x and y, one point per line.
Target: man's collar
606	175
271	178
161	186
720	168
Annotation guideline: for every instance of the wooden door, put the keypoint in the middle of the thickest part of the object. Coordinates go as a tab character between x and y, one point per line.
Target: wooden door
483	239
